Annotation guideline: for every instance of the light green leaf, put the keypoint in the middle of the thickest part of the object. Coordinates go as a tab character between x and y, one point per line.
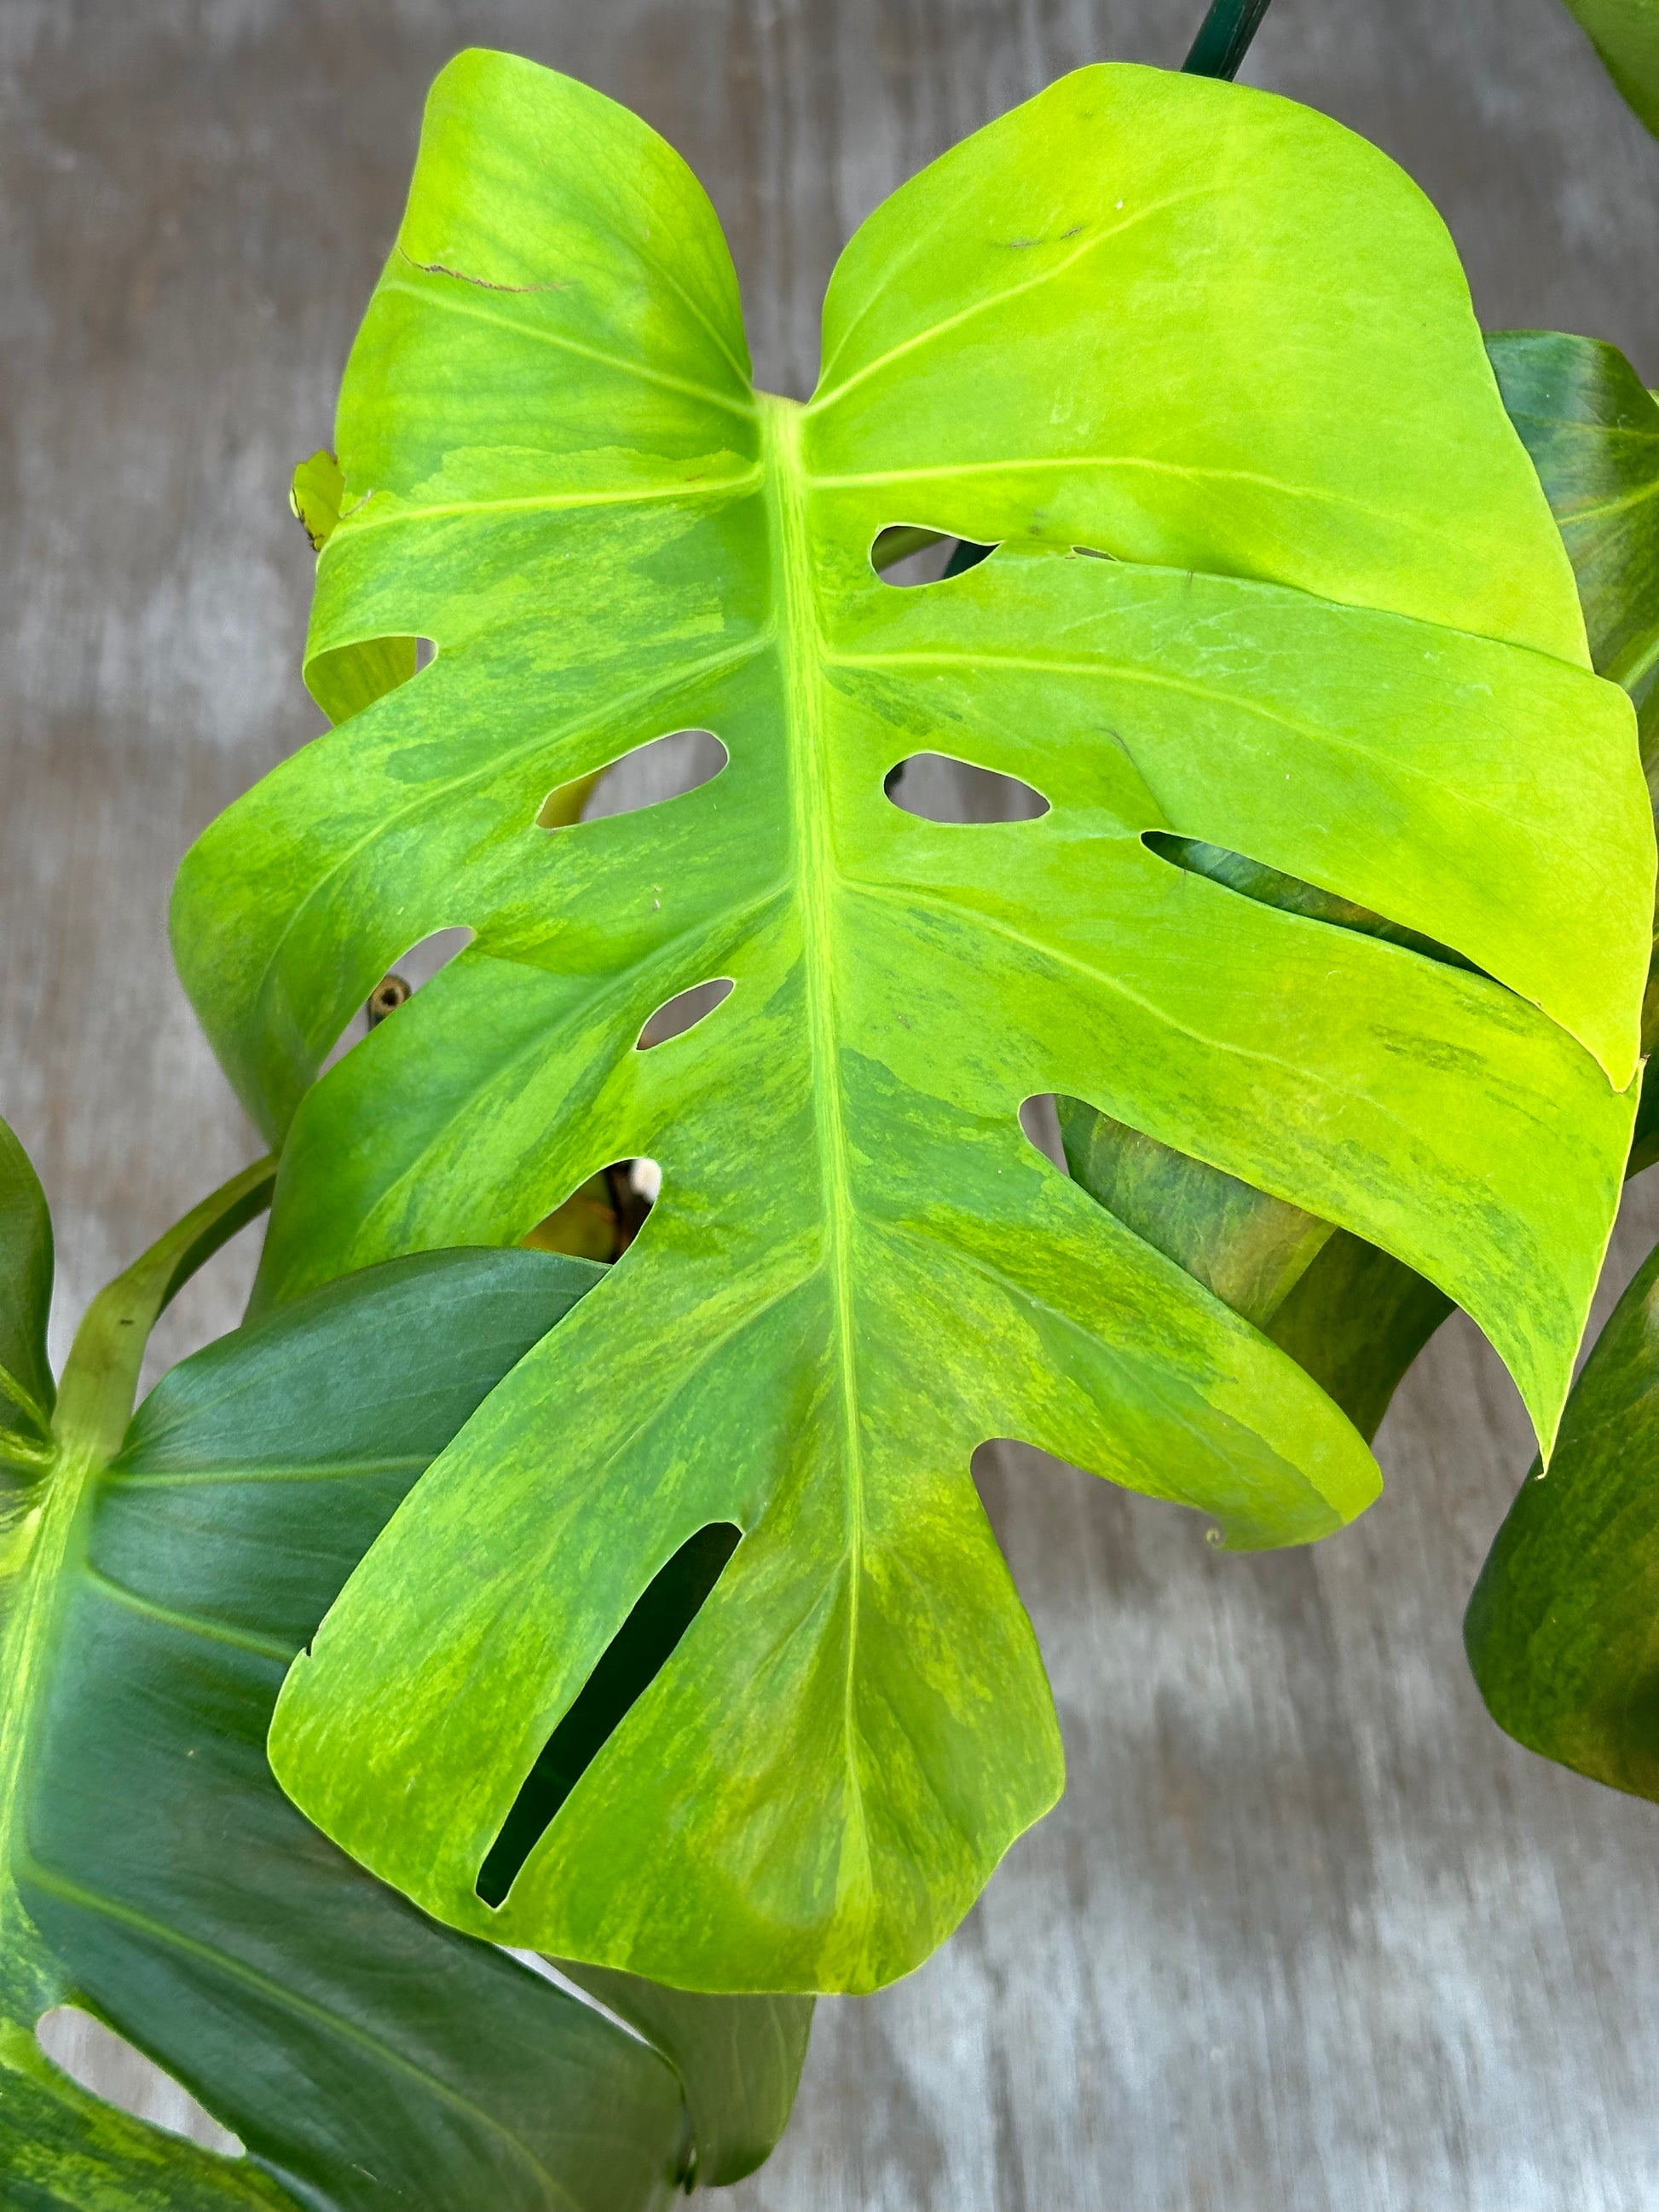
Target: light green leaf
1195	329
152	1871
1626	33
315	495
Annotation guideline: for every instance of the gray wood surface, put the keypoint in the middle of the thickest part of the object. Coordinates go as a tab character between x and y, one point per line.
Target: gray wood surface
1306	1932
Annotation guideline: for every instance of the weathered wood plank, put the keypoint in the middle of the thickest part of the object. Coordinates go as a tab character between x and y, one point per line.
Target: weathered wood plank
1306	1932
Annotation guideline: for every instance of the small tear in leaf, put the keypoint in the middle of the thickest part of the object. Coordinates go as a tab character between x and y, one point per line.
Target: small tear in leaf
107	2066
484	283
939	788
683	1013
650	774
627	1667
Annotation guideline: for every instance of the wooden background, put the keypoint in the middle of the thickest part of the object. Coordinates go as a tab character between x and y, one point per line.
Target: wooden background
1307	1933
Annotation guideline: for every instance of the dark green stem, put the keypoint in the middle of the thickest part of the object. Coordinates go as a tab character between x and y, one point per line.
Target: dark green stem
1223	38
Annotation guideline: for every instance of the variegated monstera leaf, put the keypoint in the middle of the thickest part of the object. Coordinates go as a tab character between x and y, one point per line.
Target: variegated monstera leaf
1273	571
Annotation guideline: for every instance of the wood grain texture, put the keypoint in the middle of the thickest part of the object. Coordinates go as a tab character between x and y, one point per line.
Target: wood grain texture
1307	1931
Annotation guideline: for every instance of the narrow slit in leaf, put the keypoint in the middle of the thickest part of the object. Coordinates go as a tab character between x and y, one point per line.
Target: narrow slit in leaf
630	1663
418	965
1254	879
649	775
683	1013
938	787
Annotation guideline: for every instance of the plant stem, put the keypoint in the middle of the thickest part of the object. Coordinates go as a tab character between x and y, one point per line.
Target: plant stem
100	1376
1223	38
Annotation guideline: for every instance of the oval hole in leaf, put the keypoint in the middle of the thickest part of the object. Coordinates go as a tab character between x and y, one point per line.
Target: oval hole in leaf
630	1663
603	1215
682	1012
938	787
662	769
108	2067
904	555
1254	879
1040	1119
907	554
418	965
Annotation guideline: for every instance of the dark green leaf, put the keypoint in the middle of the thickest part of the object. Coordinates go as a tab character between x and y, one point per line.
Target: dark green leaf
1248	1248
27	1392
1356	1320
151	1869
738	2060
1560	1631
1626	33
1592	429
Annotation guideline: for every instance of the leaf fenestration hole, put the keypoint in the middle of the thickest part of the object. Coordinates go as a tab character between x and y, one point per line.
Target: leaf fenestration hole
1040	1119
650	774
682	1012
413	969
907	554
603	1215
107	2066
1268	886
627	1667
939	788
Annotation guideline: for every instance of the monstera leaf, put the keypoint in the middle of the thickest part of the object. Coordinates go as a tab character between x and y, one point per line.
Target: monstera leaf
1593	431
1271	571
1626	33
1560	1631
1560	1628
150	1869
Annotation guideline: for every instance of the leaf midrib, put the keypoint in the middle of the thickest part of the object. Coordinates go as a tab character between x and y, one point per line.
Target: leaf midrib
803	656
